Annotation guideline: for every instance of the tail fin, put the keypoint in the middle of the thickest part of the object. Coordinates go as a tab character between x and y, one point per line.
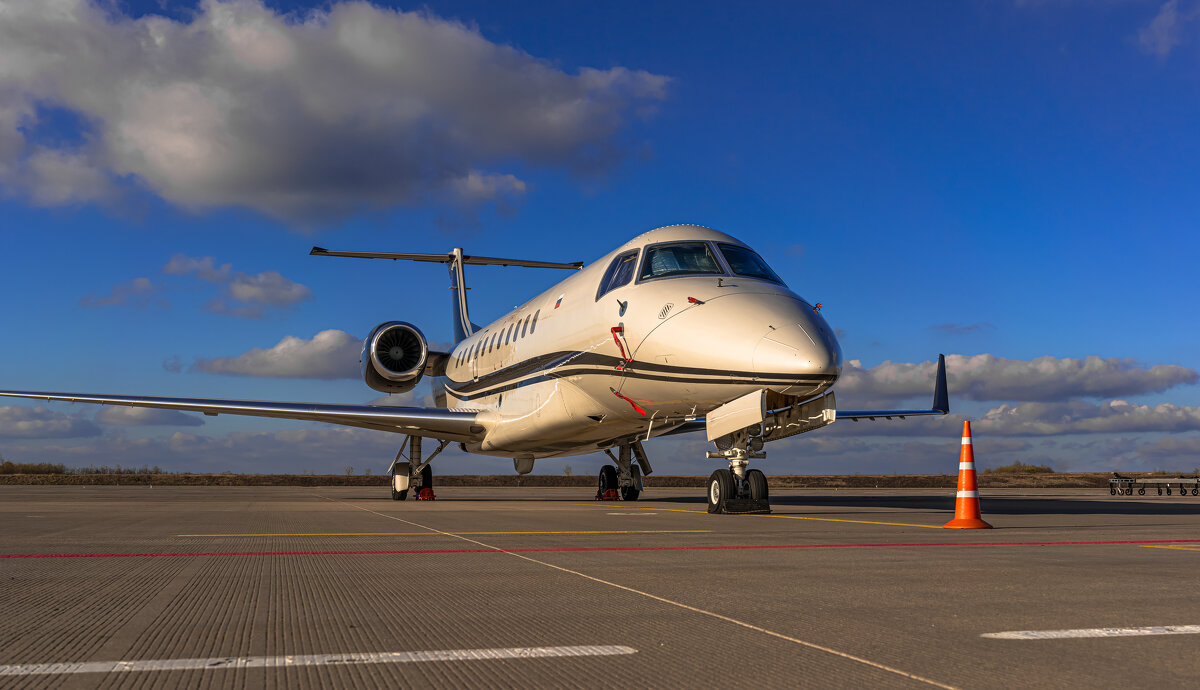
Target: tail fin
458	298
458	280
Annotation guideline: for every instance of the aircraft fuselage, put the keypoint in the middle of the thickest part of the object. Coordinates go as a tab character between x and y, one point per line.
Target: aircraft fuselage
635	344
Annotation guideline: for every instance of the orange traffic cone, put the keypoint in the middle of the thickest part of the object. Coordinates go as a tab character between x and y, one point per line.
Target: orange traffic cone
966	505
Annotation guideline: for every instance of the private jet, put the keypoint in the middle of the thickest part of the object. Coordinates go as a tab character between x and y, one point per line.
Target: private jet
682	329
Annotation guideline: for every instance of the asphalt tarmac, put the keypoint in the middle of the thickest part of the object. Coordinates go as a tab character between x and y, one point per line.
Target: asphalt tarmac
342	587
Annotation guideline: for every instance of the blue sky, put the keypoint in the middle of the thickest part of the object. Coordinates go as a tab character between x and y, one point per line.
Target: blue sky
1009	179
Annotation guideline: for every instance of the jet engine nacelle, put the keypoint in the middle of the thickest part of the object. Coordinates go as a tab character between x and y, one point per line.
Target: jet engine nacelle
394	357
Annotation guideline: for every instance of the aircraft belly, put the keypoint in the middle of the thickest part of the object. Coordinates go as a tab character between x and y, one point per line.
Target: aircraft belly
548	417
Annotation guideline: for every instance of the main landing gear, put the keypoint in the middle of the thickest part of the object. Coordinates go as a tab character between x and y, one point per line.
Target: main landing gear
737	489
414	475
624	480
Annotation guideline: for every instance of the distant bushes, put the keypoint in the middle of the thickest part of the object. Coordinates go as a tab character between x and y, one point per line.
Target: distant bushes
9	467
1019	467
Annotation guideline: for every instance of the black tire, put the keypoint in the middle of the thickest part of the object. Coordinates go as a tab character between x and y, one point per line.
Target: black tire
1142	491
427	477
398	495
1195	492
1112	491
608	479
758	484
1168	491
630	493
1160	491
720	488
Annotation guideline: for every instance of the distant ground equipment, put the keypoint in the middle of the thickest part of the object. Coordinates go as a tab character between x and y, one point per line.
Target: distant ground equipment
1118	485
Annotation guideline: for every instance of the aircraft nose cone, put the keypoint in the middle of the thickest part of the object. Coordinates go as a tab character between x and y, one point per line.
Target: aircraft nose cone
801	348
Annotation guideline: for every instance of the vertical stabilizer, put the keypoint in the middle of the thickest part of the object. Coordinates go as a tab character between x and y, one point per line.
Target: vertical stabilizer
458	297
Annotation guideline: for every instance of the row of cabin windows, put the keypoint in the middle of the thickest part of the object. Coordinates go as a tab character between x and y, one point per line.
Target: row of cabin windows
514	332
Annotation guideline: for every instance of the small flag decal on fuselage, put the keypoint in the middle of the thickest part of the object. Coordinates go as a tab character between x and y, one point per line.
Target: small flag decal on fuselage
559	302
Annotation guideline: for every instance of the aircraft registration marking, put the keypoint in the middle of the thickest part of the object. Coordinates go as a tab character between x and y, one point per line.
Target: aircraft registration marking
790	517
426	534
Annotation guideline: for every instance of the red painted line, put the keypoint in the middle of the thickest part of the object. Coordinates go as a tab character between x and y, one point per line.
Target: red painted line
596	548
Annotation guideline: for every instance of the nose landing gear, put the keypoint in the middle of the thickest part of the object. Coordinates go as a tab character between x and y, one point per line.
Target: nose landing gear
738	490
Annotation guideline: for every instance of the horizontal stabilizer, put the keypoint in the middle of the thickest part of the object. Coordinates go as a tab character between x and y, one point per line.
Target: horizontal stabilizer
448	258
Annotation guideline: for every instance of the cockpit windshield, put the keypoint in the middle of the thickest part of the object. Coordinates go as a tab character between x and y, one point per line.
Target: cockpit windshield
745	262
678	259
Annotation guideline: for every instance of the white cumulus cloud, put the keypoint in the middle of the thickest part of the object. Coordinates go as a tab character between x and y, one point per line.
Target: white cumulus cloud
242	294
987	377
330	354
17	421
304	116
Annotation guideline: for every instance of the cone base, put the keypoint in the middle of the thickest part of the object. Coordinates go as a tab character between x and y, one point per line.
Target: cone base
966	523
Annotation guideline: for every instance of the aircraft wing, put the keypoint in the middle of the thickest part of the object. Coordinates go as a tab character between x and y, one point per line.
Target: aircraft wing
941	402
452	425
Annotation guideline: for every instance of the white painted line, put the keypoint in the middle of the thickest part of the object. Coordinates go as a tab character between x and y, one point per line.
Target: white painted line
310	660
632	513
664	600
1094	632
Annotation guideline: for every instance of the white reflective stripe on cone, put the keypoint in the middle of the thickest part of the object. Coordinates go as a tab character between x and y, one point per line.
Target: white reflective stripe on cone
968	494
966	465
966	440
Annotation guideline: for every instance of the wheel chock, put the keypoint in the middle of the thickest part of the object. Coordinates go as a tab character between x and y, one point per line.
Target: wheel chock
747	506
610	495
425	495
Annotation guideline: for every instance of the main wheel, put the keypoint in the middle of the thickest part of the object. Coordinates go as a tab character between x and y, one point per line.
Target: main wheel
398	495
1142	491
758	484
608	479
1112	491
720	488
1195	491
630	493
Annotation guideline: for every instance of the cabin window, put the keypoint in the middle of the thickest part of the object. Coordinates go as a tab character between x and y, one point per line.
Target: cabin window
619	273
524	326
509	335
746	262
679	259
533	324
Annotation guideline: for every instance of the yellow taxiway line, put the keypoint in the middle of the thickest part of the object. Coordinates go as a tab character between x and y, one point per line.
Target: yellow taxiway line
1173	547
426	534
788	517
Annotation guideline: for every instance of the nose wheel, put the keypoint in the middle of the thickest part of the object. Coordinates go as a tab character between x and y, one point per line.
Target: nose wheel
737	489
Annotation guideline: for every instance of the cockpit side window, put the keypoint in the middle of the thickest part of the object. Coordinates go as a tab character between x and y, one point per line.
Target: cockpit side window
678	259
619	273
746	262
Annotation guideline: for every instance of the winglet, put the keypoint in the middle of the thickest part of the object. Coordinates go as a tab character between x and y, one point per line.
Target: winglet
941	396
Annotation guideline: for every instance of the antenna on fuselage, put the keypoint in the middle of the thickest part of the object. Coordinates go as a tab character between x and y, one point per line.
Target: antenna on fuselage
455	261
